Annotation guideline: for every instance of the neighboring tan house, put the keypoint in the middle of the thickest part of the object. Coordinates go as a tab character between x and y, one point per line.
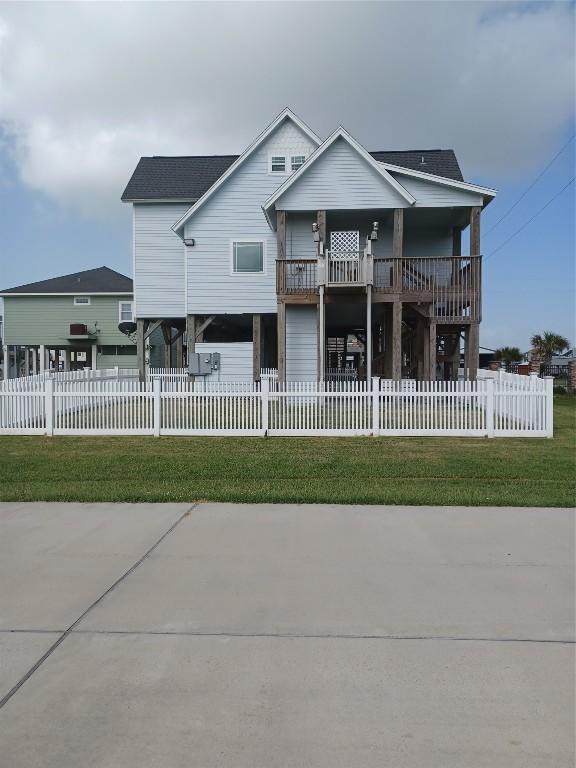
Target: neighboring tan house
68	322
300	247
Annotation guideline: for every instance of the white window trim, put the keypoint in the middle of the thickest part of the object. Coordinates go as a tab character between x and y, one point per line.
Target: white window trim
120	303
297	154
264	257
280	153
82	303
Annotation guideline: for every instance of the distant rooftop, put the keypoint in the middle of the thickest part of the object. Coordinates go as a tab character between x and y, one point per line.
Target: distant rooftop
90	281
188	178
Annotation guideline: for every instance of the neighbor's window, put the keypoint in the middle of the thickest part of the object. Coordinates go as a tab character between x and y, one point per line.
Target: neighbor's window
80	300
248	257
278	164
297	161
125	311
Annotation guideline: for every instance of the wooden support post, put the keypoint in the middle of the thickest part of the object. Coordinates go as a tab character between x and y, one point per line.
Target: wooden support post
368	333
455	364
432	350
397	340
67	359
190	337
94	357
34	361
321	221
42	358
387	341
281	234
140	349
475	231
281	343
471	351
256	346
178	344
167	334
322	336
397	248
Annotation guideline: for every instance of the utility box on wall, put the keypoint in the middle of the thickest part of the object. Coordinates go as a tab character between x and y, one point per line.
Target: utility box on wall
203	363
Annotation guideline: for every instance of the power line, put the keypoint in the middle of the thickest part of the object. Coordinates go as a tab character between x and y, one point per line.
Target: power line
523	195
530	220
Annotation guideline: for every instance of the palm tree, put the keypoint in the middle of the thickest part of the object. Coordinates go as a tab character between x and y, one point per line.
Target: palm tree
547	344
508	355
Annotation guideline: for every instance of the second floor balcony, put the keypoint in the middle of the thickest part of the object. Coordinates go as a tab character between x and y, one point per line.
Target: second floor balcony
450	285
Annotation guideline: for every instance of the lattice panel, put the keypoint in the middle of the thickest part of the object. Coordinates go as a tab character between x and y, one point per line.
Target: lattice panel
345	241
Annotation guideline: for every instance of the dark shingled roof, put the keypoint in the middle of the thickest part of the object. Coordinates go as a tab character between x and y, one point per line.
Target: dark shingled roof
99	280
188	178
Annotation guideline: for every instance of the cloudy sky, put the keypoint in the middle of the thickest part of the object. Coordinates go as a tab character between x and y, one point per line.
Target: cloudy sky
87	88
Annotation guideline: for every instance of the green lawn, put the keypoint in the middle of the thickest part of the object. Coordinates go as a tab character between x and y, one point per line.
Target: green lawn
534	472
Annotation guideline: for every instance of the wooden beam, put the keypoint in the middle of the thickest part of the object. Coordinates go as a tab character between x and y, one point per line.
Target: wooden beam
177	341
190	336
166	333
281	234
282	343
471	350
256	346
140	349
321	221
397	340
475	231
397	247
202	327
151	328
432	350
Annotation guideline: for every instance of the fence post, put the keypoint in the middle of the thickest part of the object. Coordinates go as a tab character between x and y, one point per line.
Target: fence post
156	389
49	406
375	406
264	400
549	383
489	385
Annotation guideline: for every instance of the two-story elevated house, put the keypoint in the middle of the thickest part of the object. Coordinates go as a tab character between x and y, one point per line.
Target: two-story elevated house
317	253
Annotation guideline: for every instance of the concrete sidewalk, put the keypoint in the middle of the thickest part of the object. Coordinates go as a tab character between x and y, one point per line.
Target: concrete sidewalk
276	636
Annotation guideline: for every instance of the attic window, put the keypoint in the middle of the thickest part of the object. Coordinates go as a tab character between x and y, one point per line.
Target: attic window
297	161
81	300
278	164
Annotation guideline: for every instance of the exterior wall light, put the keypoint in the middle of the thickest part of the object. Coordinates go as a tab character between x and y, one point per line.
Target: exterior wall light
189	241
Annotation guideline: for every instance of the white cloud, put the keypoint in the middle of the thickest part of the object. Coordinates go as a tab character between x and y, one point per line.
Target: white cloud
85	89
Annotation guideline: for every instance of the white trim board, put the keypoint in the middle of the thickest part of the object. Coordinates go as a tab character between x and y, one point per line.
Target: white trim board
439	179
286	114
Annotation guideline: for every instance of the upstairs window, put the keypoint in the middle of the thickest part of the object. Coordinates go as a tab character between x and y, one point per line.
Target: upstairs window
278	164
296	161
81	300
125	312
247	256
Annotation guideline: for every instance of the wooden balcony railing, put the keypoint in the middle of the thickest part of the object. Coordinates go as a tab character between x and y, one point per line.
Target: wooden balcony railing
451	284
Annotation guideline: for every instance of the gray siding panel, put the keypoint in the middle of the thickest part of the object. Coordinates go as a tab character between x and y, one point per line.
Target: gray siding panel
340	179
235	212
301	343
159	274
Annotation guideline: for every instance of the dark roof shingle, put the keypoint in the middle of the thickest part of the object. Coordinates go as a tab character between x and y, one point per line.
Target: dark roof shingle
90	281
188	178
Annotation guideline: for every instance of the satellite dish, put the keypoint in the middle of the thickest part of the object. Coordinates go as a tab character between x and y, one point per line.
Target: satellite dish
127	328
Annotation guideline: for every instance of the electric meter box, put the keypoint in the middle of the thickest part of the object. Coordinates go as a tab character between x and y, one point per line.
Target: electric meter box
203	363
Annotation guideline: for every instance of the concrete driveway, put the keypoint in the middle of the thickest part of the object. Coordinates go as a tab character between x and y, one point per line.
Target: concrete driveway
285	636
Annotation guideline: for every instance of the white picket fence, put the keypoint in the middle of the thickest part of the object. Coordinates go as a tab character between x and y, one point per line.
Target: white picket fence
168	403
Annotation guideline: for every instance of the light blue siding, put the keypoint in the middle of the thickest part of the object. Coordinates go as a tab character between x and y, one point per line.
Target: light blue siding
236	362
429	194
340	179
235	212
299	239
301	343
159	274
